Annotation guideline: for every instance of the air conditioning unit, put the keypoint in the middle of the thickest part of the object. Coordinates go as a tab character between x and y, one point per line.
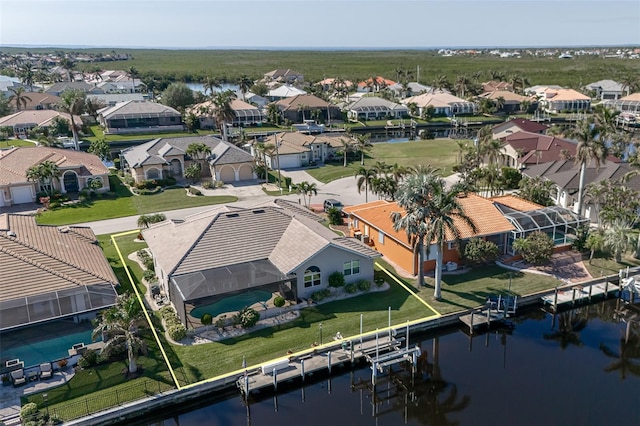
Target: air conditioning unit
365	239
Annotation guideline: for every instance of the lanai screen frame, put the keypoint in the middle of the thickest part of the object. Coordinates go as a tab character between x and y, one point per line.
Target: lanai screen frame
554	218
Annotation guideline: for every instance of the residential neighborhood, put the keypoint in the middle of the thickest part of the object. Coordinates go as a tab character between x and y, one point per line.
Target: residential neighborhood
202	233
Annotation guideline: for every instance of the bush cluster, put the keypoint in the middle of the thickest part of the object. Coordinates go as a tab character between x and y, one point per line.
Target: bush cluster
363	285
175	328
336	279
177	332
194	191
246	318
206	319
147	261
88	359
278	301
321	295
207	184
351	288
153	183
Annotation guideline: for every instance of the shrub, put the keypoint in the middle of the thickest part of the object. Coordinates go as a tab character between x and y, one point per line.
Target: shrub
351	288
335	216
149	265
247	317
54	205
149	275
28	411
336	279
207	184
143	255
536	249
177	332
88	359
320	295
278	301
194	191
363	285
477	251
206	319
221	322
378	278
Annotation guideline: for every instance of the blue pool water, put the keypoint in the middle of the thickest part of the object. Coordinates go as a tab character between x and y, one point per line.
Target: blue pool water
46	350
232	303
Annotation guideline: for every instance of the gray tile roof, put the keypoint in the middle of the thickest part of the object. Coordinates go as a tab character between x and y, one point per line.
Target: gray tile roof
227	236
131	109
566	174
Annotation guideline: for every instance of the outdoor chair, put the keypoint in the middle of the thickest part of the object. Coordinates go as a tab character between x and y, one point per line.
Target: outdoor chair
18	378
46	371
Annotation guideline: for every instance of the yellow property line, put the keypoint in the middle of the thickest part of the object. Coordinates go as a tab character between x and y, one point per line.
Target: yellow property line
146	314
437	314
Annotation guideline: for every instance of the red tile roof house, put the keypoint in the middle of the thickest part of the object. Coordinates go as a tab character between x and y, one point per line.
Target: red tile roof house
499	219
564	100
372	224
515	125
78	170
369	85
23	121
525	148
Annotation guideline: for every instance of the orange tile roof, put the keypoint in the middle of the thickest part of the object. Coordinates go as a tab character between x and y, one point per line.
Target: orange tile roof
486	217
516	203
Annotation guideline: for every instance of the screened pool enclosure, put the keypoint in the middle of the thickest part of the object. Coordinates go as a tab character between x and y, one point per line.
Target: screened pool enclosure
559	223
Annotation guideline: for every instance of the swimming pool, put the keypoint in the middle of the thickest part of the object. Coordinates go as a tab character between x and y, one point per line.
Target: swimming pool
232	303
37	352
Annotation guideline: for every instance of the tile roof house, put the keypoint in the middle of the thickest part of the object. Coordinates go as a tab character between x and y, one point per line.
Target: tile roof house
37	101
372	224
371	85
245	114
410	89
301	107
78	170
512	102
493	85
50	273
564	100
521	149
565	176
111	99
139	117
299	149
25	120
230	252
284	91
164	157
627	104
284	76
515	125
57	88
375	108
606	89
443	104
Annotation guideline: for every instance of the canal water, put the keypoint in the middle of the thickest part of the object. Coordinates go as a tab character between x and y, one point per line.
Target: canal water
580	367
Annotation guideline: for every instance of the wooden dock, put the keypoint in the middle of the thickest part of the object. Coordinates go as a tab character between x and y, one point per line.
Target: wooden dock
578	293
482	318
381	352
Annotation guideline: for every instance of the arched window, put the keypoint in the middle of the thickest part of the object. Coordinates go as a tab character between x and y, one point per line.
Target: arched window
312	276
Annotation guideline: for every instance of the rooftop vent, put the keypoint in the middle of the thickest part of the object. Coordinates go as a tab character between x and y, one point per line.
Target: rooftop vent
63	229
258	211
11	234
233	215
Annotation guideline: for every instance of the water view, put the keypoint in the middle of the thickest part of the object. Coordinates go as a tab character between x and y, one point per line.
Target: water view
580	367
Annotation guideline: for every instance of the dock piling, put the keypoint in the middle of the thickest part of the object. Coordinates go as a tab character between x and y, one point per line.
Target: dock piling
302	369
329	361
555	300
590	290
275	379
471	324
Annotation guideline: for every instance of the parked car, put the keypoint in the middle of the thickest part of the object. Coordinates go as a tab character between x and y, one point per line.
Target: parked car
332	204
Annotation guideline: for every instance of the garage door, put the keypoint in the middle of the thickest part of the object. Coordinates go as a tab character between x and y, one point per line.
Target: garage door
289	161
227	174
21	194
246	172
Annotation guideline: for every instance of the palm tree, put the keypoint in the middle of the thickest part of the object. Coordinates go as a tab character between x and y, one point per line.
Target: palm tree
224	113
381	168
347	146
441	82
199	151
363	143
618	237
384	186
68	65
73	103
133	73
364	178
398	172
210	83
461	85
27	75
273	113
19	98
144	221
590	147
120	324
244	83
44	173
432	211
96	71
307	190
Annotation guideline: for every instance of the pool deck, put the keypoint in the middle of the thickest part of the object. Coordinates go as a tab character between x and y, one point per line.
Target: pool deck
10	395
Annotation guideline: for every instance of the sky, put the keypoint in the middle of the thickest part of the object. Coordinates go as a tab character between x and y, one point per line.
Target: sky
313	24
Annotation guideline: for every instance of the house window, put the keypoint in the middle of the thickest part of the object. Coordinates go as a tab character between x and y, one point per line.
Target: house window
381	237
312	276
355	223
366	230
351	267
452	245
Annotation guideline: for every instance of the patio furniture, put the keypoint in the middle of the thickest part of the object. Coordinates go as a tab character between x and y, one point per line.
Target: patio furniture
32	376
46	371
18	378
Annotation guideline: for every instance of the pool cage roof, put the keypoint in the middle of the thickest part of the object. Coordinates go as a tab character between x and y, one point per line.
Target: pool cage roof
541	219
225	279
56	304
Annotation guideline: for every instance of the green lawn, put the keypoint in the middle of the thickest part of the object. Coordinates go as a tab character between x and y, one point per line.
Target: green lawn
127	246
440	153
15	142
604	264
127	204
